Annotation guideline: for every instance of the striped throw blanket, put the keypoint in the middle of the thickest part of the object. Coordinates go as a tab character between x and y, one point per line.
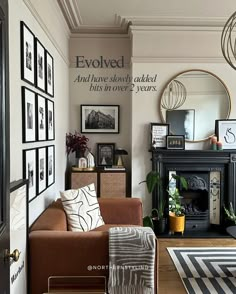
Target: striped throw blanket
131	260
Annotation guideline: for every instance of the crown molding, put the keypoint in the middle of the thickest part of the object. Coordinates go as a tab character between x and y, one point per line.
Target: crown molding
50	36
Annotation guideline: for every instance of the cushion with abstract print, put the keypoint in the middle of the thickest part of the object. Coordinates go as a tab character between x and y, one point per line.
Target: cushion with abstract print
82	209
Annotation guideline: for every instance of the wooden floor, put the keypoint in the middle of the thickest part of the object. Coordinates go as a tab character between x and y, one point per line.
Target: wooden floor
169	280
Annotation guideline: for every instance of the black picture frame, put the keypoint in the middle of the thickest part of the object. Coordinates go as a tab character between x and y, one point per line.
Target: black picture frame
182	122
103	119
50	120
159	131
30	171
50	165
105	154
49	69
41	161
41	117
27	54
175	142
28	115
40	65
225	130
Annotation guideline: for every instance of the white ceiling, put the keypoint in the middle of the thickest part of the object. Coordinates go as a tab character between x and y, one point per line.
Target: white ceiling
113	16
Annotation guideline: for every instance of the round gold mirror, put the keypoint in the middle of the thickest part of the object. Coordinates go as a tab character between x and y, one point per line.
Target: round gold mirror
192	101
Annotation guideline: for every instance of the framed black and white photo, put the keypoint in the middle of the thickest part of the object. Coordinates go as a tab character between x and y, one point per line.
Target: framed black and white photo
50	120
100	119
226	132
30	172
182	122
41	170
49	67
175	142
50	165
27	54
159	132
28	115
41	118
105	154
40	65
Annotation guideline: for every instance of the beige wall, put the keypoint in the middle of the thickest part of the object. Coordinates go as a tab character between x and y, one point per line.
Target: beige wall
47	23
92	47
183	52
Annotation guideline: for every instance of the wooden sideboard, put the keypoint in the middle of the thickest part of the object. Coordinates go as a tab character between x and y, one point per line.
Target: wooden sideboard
107	183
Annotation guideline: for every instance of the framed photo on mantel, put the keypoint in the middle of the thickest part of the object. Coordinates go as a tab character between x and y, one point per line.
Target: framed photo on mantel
159	132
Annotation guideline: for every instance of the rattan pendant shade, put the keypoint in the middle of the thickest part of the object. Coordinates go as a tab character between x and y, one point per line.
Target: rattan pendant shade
228	41
174	95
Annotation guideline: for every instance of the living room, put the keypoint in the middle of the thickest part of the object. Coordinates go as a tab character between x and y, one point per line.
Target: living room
121	54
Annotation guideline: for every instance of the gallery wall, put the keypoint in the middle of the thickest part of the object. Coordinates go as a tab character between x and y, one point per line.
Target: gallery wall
47	23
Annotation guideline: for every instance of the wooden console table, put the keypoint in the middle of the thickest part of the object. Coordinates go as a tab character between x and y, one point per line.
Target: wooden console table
107	183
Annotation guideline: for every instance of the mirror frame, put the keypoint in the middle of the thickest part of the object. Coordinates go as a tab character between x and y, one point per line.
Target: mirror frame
163	120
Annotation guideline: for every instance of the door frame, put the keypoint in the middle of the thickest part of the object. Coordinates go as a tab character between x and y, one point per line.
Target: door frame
4	149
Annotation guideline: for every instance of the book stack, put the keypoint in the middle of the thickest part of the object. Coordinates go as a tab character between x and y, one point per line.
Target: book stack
114	167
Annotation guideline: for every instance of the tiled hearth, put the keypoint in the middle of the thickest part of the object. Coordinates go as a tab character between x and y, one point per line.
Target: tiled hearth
211	177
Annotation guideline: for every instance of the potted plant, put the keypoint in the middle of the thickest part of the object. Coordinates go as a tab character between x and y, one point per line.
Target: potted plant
231	217
176	209
156	220
76	143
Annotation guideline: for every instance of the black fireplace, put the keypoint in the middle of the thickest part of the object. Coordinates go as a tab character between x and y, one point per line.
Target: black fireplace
211	177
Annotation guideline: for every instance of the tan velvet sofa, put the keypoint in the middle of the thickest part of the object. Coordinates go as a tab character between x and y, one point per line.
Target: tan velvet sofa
55	251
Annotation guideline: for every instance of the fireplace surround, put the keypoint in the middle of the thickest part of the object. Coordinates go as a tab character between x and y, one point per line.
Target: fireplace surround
211	177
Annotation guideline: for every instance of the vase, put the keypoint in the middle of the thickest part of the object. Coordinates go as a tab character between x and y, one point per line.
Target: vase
159	225
176	223
82	160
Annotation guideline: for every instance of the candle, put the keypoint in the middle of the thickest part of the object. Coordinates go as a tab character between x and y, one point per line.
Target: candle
219	145
213	139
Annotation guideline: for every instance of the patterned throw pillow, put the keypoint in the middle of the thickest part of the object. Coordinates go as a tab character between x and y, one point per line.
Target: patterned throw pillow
82	209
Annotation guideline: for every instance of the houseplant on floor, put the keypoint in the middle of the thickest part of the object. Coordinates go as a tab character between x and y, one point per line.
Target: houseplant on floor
231	217
176	209
157	219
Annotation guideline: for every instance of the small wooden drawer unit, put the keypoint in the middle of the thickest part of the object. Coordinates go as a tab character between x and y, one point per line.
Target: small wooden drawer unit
107	183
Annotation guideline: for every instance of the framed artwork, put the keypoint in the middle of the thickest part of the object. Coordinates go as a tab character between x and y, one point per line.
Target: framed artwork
175	142
182	122
40	65
100	119
49	67
50	165
41	118
27	54
158	135
225	130
50	120
41	170
105	154
30	172
28	115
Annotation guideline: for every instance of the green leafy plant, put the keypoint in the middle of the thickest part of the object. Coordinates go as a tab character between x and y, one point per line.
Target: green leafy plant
153	179
175	205
76	142
230	213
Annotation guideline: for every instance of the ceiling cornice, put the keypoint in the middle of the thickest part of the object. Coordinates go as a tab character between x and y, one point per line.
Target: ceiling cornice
121	24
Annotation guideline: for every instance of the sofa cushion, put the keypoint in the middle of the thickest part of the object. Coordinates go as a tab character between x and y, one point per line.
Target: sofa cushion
82	209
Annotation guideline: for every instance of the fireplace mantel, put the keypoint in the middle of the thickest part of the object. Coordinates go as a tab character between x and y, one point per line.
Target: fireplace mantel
196	161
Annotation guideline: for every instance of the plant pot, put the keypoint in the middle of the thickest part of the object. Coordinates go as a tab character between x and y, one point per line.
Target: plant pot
159	225
176	223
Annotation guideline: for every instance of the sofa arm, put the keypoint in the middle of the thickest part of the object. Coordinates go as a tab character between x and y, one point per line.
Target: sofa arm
53	218
58	253
121	210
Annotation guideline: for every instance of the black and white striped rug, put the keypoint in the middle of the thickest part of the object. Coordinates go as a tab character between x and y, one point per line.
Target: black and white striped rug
207	270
